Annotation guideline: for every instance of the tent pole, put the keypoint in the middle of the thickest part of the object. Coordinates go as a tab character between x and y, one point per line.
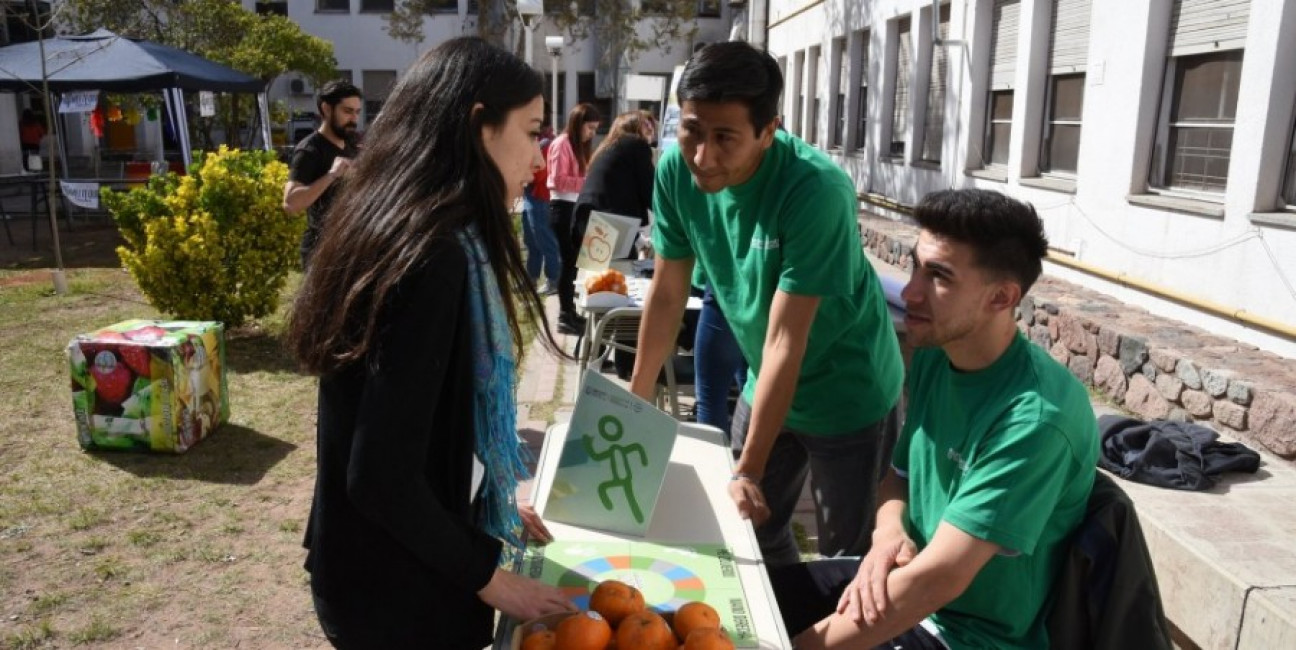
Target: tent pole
263	104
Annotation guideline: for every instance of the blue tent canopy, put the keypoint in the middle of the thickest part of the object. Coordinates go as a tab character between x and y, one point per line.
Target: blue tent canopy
105	61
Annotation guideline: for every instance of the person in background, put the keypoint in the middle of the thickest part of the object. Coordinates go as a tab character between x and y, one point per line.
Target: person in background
771	222
992	472
620	177
410	313
567	160
322	158
537	233
718	365
31	130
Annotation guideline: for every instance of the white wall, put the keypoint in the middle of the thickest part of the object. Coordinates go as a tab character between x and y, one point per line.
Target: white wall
1239	260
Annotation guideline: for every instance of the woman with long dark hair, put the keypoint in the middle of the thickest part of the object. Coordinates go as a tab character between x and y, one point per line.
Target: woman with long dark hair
407	313
568	160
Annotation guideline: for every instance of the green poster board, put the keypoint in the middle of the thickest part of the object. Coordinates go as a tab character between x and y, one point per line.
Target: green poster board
613	461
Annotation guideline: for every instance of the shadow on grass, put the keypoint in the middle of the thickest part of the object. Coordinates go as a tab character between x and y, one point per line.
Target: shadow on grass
258	351
233	455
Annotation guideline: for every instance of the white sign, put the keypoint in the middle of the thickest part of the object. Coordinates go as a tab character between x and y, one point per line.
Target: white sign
82	195
642	87
81	101
206	103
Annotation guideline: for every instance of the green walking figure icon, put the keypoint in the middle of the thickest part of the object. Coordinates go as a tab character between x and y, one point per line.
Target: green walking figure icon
618	456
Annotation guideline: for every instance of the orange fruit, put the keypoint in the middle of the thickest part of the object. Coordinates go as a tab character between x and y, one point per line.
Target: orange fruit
616	600
541	639
708	638
645	631
695	616
584	631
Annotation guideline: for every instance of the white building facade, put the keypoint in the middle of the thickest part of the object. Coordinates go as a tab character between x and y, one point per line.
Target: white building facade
1154	137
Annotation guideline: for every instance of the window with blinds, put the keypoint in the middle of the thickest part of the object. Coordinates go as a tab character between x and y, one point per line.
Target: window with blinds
1068	56
798	70
1289	180
1199	95
900	106
1003	74
376	84
811	134
861	73
934	125
838	137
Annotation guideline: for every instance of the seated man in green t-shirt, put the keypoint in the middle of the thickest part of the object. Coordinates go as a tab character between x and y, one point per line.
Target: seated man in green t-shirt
771	222
993	470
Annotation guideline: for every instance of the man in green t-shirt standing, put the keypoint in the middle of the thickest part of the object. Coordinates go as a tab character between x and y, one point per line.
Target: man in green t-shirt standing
771	224
994	467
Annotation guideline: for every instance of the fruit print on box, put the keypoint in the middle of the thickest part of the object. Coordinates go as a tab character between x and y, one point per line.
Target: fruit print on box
669	575
149	385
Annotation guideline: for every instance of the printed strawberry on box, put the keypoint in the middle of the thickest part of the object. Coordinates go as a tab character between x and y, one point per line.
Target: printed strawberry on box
149	384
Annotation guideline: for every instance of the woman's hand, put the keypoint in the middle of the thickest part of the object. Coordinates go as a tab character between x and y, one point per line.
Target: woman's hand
534	525
523	598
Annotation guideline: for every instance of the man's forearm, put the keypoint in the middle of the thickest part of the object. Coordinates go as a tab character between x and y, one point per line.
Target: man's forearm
300	197
663	312
775	388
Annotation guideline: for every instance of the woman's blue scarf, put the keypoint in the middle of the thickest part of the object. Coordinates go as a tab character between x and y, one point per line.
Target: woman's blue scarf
494	406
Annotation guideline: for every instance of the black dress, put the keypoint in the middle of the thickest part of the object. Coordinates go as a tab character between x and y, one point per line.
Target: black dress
619	181
394	555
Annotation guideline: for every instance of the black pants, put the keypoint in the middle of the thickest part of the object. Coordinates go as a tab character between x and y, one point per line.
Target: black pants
562	216
809	591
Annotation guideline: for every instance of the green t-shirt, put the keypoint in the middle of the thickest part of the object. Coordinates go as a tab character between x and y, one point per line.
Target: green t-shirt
1007	455
791	227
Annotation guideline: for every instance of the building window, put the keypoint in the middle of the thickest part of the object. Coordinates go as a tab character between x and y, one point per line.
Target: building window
900	107
838	92
377	5
934	126
798	70
344	75
861	105
441	6
1289	181
708	9
1003	73
1196	133
333	5
999	131
1062	128
272	8
811	134
377	84
586	93
1068	56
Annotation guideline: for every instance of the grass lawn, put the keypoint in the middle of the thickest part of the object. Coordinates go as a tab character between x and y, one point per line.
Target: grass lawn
135	550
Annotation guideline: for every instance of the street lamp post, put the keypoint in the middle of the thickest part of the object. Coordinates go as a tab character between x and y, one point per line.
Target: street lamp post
529	11
554	45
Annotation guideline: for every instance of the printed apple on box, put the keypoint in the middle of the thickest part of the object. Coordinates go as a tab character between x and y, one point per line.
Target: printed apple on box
149	384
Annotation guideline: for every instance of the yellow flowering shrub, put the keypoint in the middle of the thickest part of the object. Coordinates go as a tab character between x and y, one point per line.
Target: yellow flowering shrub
215	244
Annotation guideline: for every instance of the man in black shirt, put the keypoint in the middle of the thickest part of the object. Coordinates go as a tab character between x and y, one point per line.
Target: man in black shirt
321	158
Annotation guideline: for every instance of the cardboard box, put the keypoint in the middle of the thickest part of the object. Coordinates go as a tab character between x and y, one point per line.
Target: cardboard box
149	385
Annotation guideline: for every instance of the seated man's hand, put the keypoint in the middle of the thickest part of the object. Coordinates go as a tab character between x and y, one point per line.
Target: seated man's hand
865	599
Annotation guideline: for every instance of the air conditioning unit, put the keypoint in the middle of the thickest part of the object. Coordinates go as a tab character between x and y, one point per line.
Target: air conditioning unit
299	87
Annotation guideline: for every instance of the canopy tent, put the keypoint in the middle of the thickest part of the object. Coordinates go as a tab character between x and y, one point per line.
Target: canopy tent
105	61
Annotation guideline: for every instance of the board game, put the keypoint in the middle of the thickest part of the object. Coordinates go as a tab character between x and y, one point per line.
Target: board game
668	576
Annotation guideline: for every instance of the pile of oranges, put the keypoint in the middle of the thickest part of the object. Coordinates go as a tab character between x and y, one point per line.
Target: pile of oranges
607	280
619	620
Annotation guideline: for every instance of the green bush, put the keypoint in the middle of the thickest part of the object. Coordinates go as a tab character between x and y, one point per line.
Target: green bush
214	244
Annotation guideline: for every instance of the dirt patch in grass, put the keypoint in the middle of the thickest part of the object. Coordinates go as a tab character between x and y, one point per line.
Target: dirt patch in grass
201	550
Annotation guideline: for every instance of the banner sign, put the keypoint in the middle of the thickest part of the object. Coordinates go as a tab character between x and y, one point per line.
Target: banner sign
206	103
82	195
81	101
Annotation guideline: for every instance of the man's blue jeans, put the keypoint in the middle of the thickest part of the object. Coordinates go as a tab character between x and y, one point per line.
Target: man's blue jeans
844	474
538	235
718	363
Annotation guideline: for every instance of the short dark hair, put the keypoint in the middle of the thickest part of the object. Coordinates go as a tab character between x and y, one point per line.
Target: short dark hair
1006	235
335	91
734	71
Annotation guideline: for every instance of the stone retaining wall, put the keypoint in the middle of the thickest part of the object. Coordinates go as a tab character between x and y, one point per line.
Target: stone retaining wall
1155	368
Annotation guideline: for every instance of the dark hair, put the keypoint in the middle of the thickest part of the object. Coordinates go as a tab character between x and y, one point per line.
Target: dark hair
626	125
580	115
423	175
334	92
734	71
1005	234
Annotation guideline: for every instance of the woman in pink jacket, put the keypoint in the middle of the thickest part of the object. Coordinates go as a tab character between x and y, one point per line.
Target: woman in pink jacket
568	157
